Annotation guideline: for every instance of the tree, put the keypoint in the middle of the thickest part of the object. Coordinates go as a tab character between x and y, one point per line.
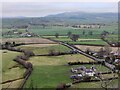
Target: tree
83	32
90	33
100	53
105	33
13	43
61	86
87	50
43	25
56	35
7	44
28	53
53	52
69	34
107	59
74	37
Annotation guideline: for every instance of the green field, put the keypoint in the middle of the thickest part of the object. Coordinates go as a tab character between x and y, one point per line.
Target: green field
13	35
58	60
51	30
7	62
113	38
45	50
112	84
51	71
80	41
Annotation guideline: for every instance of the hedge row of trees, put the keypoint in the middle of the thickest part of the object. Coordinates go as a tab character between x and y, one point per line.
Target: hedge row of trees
53	52
73	37
7	45
78	63
21	59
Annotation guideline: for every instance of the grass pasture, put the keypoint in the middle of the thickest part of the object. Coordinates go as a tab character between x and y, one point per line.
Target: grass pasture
7	62
51	30
51	71
113	38
81	41
58	60
12	35
13	84
45	48
112	84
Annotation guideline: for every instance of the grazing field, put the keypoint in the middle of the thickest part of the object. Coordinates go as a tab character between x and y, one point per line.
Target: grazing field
45	48
14	84
51	30
27	40
9	73
58	60
93	48
51	71
80	41
113	38
88	42
112	84
9	33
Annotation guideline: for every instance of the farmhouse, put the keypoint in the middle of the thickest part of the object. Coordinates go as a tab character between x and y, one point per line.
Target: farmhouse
116	54
83	72
26	34
89	72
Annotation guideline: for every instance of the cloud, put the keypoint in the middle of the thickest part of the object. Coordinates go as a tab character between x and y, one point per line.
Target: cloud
46	8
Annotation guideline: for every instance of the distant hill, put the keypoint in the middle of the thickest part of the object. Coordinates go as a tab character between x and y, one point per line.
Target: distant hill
82	17
64	18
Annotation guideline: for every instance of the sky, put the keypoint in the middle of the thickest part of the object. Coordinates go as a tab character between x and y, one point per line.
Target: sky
33	8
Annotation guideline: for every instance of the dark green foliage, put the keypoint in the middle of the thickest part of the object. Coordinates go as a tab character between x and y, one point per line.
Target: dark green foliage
74	37
57	35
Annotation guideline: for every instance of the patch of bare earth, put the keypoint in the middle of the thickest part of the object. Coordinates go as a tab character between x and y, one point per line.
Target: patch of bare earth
28	40
93	48
39	45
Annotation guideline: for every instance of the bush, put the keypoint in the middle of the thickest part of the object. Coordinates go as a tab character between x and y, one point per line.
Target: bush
24	57
61	87
28	53
29	65
52	52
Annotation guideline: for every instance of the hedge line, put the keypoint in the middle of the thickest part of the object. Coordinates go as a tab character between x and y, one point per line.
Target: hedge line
21	59
79	63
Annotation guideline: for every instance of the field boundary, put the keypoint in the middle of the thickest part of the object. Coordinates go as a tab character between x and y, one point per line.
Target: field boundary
27	65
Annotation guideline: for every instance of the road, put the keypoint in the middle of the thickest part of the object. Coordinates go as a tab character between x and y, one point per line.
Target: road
110	66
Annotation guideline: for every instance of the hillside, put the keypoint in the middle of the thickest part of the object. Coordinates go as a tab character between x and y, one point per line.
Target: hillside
63	18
